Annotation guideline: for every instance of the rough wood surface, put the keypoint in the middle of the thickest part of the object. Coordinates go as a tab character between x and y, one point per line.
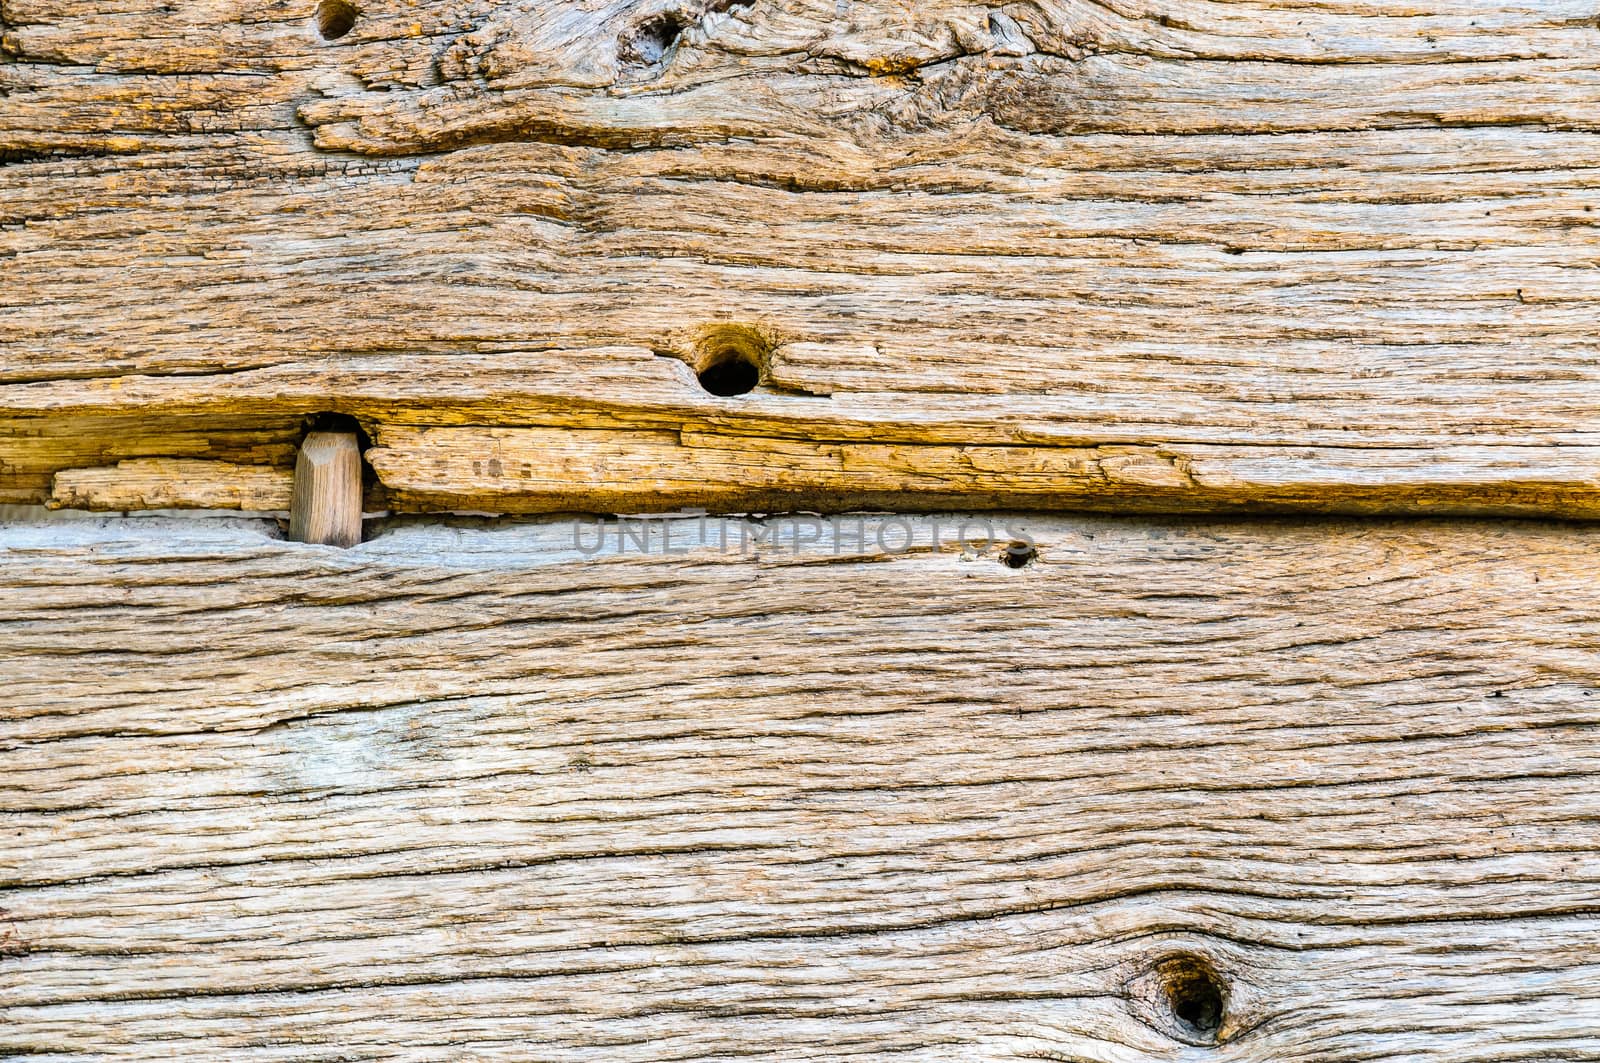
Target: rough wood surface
469	793
534	470
168	483
1331	231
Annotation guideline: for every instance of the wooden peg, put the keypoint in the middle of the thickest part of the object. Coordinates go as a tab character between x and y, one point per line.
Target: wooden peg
327	490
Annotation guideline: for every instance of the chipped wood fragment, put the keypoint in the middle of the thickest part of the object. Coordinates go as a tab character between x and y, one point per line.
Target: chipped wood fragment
173	483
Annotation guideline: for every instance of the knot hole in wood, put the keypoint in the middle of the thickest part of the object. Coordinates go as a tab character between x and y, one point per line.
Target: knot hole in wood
648	41
335	18
1196	995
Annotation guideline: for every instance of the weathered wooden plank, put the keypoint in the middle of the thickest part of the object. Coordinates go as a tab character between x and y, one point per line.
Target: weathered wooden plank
1360	227
541	470
473	792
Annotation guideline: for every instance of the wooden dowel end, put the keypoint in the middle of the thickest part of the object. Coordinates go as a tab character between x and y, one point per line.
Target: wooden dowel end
327	490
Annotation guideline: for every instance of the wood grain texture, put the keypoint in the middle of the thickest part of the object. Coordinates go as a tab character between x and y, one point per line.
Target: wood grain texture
167	483
467	792
1331	231
326	504
541	470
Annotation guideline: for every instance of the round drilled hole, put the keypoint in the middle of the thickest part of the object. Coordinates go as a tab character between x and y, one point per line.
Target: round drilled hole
1196	994
729	359
730	374
650	41
1019	555
335	18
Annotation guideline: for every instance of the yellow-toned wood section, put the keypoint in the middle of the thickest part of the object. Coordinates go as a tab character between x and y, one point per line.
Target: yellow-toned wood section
1355	236
168	483
530	791
531	470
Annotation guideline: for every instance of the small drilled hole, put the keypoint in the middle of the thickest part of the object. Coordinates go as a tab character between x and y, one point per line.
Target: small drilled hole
649	42
1196	994
335	18
730	373
729	358
1019	555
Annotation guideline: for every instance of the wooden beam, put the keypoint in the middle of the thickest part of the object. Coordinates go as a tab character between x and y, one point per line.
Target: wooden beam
541	470
478	788
1356	229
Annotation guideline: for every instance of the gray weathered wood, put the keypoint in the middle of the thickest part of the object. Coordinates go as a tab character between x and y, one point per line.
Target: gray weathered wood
466	793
